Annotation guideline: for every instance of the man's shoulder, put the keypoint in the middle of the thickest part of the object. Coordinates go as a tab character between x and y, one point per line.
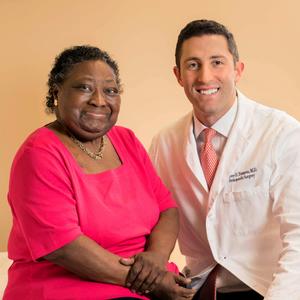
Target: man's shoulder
176	129
264	114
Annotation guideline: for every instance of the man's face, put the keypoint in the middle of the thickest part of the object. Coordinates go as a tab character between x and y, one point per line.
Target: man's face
208	75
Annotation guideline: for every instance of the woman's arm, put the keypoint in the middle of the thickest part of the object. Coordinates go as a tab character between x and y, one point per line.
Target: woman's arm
148	268
88	260
163	236
85	258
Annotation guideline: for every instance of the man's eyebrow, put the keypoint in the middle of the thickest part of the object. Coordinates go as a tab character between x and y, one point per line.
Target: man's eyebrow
217	56
192	58
199	59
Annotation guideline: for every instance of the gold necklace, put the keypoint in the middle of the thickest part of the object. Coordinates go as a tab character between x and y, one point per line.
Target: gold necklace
94	155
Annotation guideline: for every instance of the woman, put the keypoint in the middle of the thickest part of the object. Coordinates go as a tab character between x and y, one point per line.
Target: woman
85	197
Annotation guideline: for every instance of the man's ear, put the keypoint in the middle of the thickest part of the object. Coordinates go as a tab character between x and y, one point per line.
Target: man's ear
239	68
176	71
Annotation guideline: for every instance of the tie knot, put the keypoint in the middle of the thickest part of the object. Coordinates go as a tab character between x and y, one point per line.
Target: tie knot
209	133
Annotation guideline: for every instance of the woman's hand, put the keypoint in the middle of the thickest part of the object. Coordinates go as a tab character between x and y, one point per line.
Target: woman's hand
171	287
147	269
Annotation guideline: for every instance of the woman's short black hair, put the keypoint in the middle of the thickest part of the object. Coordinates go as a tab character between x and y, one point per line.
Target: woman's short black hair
65	61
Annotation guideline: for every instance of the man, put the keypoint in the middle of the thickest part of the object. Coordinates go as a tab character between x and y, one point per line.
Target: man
233	167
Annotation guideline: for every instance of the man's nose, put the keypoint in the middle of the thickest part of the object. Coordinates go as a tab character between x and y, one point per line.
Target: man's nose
204	74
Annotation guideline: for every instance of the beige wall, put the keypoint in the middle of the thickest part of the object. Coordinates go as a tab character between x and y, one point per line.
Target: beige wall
141	36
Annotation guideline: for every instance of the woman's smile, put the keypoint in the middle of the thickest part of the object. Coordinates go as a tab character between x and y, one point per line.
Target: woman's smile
96	114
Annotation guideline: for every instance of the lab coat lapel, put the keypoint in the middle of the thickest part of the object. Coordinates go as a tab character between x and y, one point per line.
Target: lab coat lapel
191	153
235	145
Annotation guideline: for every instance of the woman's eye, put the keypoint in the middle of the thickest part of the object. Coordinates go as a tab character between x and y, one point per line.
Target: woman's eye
112	91
85	88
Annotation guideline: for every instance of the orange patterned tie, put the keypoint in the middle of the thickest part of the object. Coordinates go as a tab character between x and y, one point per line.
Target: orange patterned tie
208	156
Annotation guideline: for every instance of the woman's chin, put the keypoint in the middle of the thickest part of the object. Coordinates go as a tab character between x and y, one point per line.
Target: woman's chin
93	131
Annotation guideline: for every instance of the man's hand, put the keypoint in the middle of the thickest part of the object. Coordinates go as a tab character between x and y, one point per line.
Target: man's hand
147	269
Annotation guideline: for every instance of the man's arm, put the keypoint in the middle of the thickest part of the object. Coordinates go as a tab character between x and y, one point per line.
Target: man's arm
285	192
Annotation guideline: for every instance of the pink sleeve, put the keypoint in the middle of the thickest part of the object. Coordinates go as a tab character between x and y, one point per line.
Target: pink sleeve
171	267
161	193
42	201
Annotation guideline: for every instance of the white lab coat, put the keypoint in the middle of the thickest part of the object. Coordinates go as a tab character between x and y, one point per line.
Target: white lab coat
252	227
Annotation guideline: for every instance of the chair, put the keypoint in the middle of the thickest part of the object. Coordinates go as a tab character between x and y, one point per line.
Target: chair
5	263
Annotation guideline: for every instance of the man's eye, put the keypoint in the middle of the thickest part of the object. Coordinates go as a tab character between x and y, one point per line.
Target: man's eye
112	91
193	65
217	62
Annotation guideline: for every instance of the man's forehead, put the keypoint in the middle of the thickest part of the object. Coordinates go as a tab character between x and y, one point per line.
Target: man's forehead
210	45
205	40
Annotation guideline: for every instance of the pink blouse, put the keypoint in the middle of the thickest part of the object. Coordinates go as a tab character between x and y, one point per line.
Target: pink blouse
53	202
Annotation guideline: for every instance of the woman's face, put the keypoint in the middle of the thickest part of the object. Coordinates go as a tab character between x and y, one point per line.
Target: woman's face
88	100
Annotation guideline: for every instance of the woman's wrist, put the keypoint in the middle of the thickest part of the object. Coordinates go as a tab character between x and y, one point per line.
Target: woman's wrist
162	255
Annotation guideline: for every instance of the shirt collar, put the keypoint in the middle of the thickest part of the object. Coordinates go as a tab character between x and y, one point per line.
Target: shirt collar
222	126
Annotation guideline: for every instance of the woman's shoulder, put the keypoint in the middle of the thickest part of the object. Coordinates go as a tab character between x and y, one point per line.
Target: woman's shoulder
41	151
41	141
41	138
125	140
122	133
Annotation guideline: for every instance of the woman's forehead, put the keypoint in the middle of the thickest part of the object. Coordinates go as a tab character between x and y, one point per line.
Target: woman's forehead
92	69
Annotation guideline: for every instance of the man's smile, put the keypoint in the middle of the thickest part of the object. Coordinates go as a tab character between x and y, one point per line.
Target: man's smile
208	91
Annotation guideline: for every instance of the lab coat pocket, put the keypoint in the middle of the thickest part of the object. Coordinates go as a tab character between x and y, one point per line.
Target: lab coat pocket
247	209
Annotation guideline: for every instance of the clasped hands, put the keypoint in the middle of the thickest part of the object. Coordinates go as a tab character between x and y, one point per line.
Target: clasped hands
148	276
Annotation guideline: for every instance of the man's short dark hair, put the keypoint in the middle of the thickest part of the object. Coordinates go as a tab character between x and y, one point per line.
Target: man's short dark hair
205	27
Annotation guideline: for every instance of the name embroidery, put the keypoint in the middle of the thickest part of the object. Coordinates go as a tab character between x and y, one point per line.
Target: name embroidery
248	174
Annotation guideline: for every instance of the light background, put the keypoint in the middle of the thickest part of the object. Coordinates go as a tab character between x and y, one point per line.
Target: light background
141	35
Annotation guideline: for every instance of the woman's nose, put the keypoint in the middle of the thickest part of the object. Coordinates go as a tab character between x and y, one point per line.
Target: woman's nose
98	98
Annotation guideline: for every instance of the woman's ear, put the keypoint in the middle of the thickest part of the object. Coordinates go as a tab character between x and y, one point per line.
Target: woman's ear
55	91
